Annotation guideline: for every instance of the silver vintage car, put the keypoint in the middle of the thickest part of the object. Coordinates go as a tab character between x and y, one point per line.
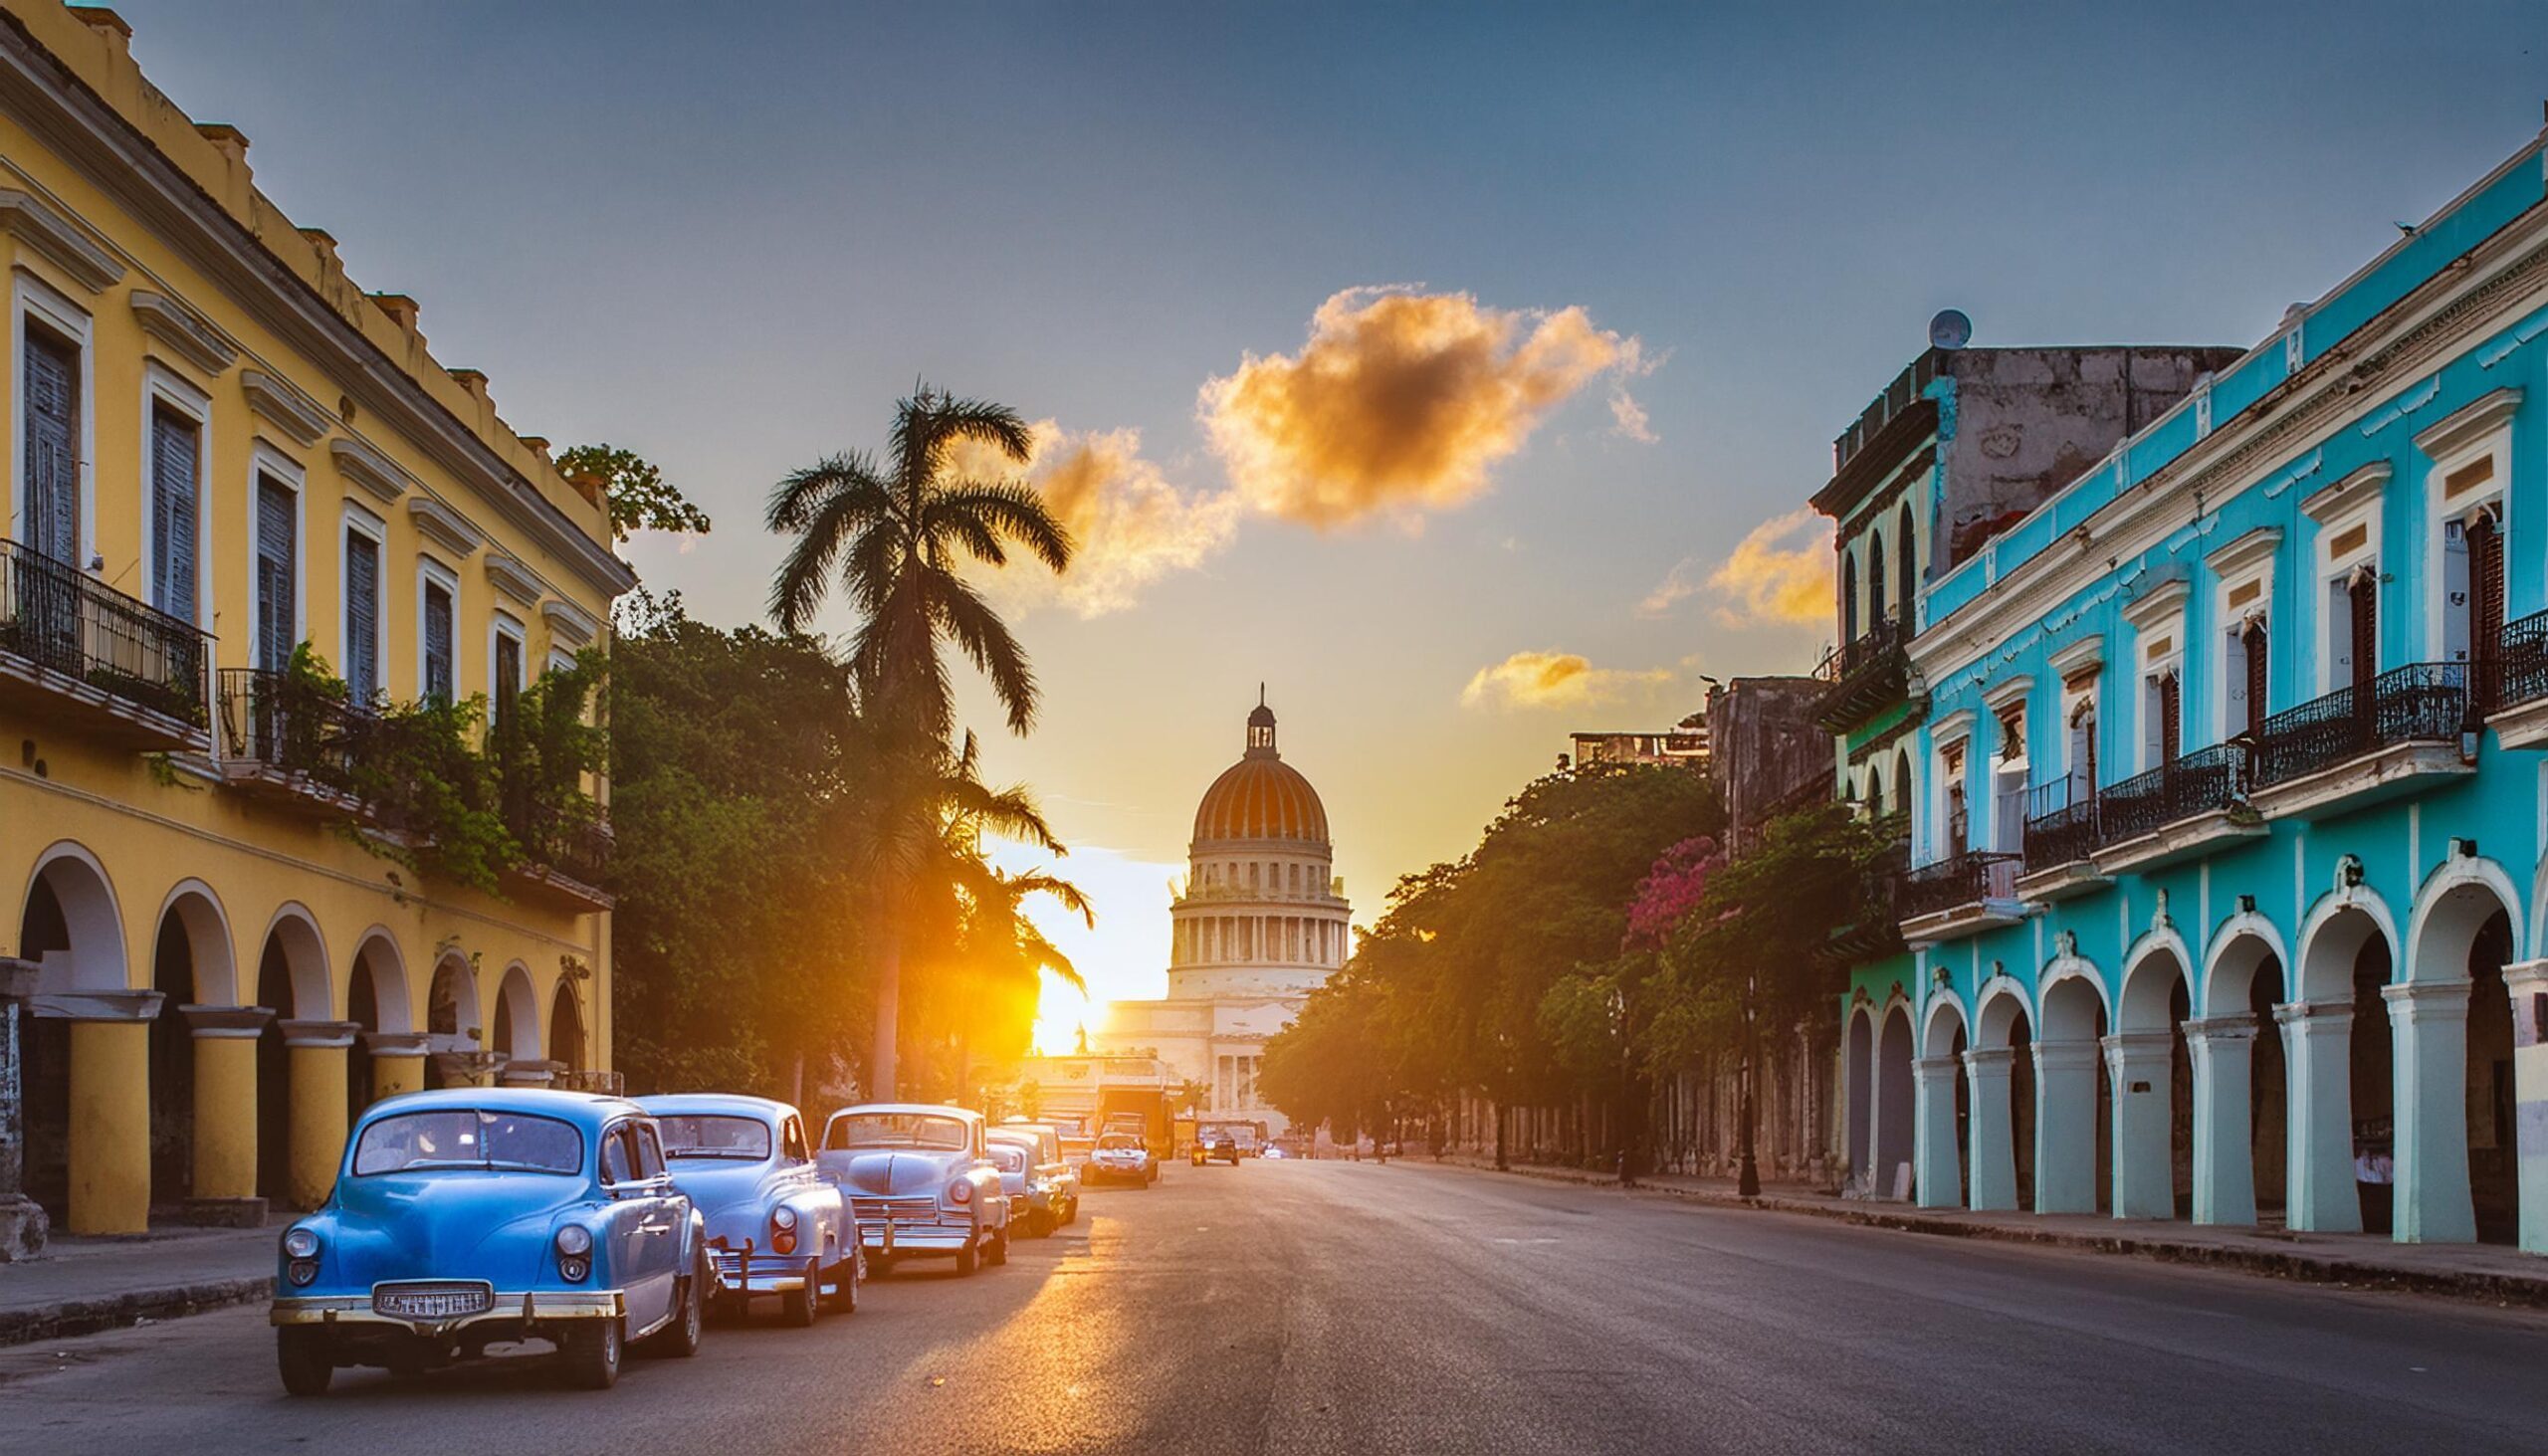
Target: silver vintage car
776	1224
920	1183
1059	1205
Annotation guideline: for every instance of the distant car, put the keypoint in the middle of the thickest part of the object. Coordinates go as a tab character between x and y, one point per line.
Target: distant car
1076	1152
472	1216
1037	1200
1275	1153
1220	1148
1122	1157
1051	1157
920	1183
776	1224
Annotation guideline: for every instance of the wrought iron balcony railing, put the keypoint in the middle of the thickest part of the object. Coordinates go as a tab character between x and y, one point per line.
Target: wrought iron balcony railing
2061	824
1968	877
1867	674
2518	673
272	722
575	846
2193	783
2423	703
57	617
1872	648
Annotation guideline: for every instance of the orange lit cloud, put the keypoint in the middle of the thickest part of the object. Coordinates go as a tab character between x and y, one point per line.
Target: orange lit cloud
1401	402
1553	679
1132	526
1781	573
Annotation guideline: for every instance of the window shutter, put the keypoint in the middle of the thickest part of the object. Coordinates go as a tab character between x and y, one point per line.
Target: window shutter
2256	640
438	671
2171	715
53	454
176	460
362	617
2486	588
276	633
2364	602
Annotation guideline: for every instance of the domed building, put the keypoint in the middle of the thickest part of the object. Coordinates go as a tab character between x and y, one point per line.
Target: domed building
1262	921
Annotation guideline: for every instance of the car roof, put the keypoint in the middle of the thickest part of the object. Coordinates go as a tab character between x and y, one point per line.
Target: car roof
731	1103
584	1109
924	1109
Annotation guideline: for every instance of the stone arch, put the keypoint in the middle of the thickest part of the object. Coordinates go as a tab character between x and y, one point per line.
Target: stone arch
1941	1116
1944	1025
569	1043
191	962
377	958
454	1026
2153	1078
71	925
293	941
2337	1042
71	900
1895	1097
517	1030
210	946
2000	1092
2453	1134
2338	926
2147	991
1858	1068
2242	1084
2243	944
2074	1101
2455	903
293	979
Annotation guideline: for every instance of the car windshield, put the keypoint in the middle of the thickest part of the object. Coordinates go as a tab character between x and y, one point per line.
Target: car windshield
466	1140
897	1130
703	1135
1120	1143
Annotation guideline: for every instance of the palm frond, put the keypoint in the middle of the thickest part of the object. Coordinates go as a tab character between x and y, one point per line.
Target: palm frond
986	642
1010	509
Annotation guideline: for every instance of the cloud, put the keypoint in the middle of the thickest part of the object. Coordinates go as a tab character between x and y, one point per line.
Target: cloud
1132	524
1628	417
1779	575
1554	679
1401	402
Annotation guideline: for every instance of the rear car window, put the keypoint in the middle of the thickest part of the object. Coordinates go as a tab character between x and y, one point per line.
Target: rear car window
898	1129
469	1140
702	1135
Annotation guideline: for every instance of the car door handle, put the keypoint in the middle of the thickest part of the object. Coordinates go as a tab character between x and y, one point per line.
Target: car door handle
650	1226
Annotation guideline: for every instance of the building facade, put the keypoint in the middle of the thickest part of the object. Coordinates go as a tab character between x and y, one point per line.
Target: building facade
1685	744
2268	686
221	448
1262	921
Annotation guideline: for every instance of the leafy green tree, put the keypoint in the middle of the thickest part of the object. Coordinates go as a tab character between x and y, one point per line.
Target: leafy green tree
639	497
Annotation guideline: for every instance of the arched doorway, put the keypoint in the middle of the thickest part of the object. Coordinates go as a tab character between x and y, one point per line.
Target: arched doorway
2074	1162
2454	1140
1860	1070
70	929
2154	1086
1895	1101
566	1045
1944	1111
191	965
292	981
517	1016
2001	1087
2241	1118
452	1023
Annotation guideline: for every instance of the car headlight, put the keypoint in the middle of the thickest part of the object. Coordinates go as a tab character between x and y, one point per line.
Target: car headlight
301	1243
575	1238
959	1192
784	1217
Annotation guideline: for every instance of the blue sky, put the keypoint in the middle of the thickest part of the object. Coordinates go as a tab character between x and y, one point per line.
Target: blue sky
729	236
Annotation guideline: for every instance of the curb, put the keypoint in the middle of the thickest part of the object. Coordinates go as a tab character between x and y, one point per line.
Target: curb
2525	1290
73	1318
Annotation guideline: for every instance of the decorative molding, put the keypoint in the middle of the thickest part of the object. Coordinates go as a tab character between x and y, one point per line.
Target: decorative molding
369	469
2007	694
2088	655
59	242
320	1034
395	1043
570	623
226	1023
2254	549
2154	608
512	578
296	413
192	339
2332	503
1952	729
2470	423
443	525
97	1005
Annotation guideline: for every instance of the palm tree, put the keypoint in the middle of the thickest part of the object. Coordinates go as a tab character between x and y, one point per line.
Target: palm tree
1005	954
895	534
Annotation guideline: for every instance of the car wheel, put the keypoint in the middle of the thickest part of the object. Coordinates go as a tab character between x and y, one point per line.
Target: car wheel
844	1296
800	1306
1039	1225
590	1354
967	1259
998	1253
679	1339
307	1358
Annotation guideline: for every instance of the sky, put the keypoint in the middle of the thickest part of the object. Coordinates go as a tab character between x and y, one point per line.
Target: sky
1457	372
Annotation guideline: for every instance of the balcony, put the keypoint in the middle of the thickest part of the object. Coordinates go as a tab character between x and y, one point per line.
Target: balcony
2061	843
2516	684
1876	933
75	651
566	858
290	744
1868	674
1965	893
2399	734
2190	805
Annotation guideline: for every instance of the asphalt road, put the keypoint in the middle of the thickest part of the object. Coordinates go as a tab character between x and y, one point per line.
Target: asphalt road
1312	1308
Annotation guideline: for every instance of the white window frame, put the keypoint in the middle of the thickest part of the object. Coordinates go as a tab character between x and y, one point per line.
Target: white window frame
431	572
2480	432
358	521
162	385
30	296
2080	661
2245	562
265	460
1952	734
503	624
2011	698
2353	500
2158	648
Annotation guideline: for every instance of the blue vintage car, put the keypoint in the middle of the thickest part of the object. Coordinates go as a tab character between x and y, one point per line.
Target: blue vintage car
474	1216
919	1181
776	1224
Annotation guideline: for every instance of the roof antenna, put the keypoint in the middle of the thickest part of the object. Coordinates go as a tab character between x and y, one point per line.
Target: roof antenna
1260	694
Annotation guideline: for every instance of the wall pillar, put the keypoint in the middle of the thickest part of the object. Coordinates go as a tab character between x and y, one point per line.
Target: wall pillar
2224	1171
2066	1126
2527	983
1992	1137
530	1072
318	1076
23	1224
225	1152
397	1062
1937	1179
2137	1062
2317	1057
2429	1026
109	1106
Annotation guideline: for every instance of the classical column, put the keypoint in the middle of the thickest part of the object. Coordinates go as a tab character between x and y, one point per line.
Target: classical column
225	1152
1991	1136
2317	1055
2137	1063
2066	1126
316	1050
2429	1026
23	1225
109	1106
530	1072
1937	1179
397	1062
2225	1171
2527	983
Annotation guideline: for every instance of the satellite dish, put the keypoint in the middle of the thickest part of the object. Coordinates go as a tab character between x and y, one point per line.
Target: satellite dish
1949	329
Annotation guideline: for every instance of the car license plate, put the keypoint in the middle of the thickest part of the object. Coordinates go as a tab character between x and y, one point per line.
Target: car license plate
434	1302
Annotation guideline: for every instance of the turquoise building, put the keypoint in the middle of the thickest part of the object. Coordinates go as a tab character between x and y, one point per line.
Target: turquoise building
2228	802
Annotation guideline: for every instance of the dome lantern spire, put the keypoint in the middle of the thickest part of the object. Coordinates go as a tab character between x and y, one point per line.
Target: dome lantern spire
1260	728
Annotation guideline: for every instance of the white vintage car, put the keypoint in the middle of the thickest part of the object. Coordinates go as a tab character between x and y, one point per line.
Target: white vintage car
776	1224
920	1183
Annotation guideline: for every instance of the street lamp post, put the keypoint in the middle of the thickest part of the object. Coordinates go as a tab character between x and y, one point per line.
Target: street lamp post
1747	1179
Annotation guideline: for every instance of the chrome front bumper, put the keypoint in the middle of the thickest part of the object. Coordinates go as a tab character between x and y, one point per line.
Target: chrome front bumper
760	1273
529	1306
916	1238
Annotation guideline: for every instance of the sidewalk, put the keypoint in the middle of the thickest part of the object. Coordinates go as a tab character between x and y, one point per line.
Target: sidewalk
84	1285
2494	1274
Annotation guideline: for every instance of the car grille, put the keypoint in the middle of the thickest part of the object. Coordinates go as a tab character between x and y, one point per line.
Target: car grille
432	1299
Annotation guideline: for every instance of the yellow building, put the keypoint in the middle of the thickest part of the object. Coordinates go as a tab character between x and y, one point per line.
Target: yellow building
218	446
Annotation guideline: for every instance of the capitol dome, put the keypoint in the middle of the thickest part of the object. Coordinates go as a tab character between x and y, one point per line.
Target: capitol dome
1260	796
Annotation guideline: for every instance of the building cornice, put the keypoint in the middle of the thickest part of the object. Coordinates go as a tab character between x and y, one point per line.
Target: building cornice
2470	423
58	241
190	338
512	579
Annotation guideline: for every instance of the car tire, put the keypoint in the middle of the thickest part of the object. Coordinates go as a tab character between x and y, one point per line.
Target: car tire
305	1358
680	1340
1040	1225
967	1259
800	1306
590	1355
998	1253
843	1298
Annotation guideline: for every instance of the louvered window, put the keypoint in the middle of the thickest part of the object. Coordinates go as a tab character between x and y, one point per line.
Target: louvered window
2171	715
362	616
2486	591
2362	599
438	639
2255	647
52	413
278	617
1875	579
508	678
177	456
